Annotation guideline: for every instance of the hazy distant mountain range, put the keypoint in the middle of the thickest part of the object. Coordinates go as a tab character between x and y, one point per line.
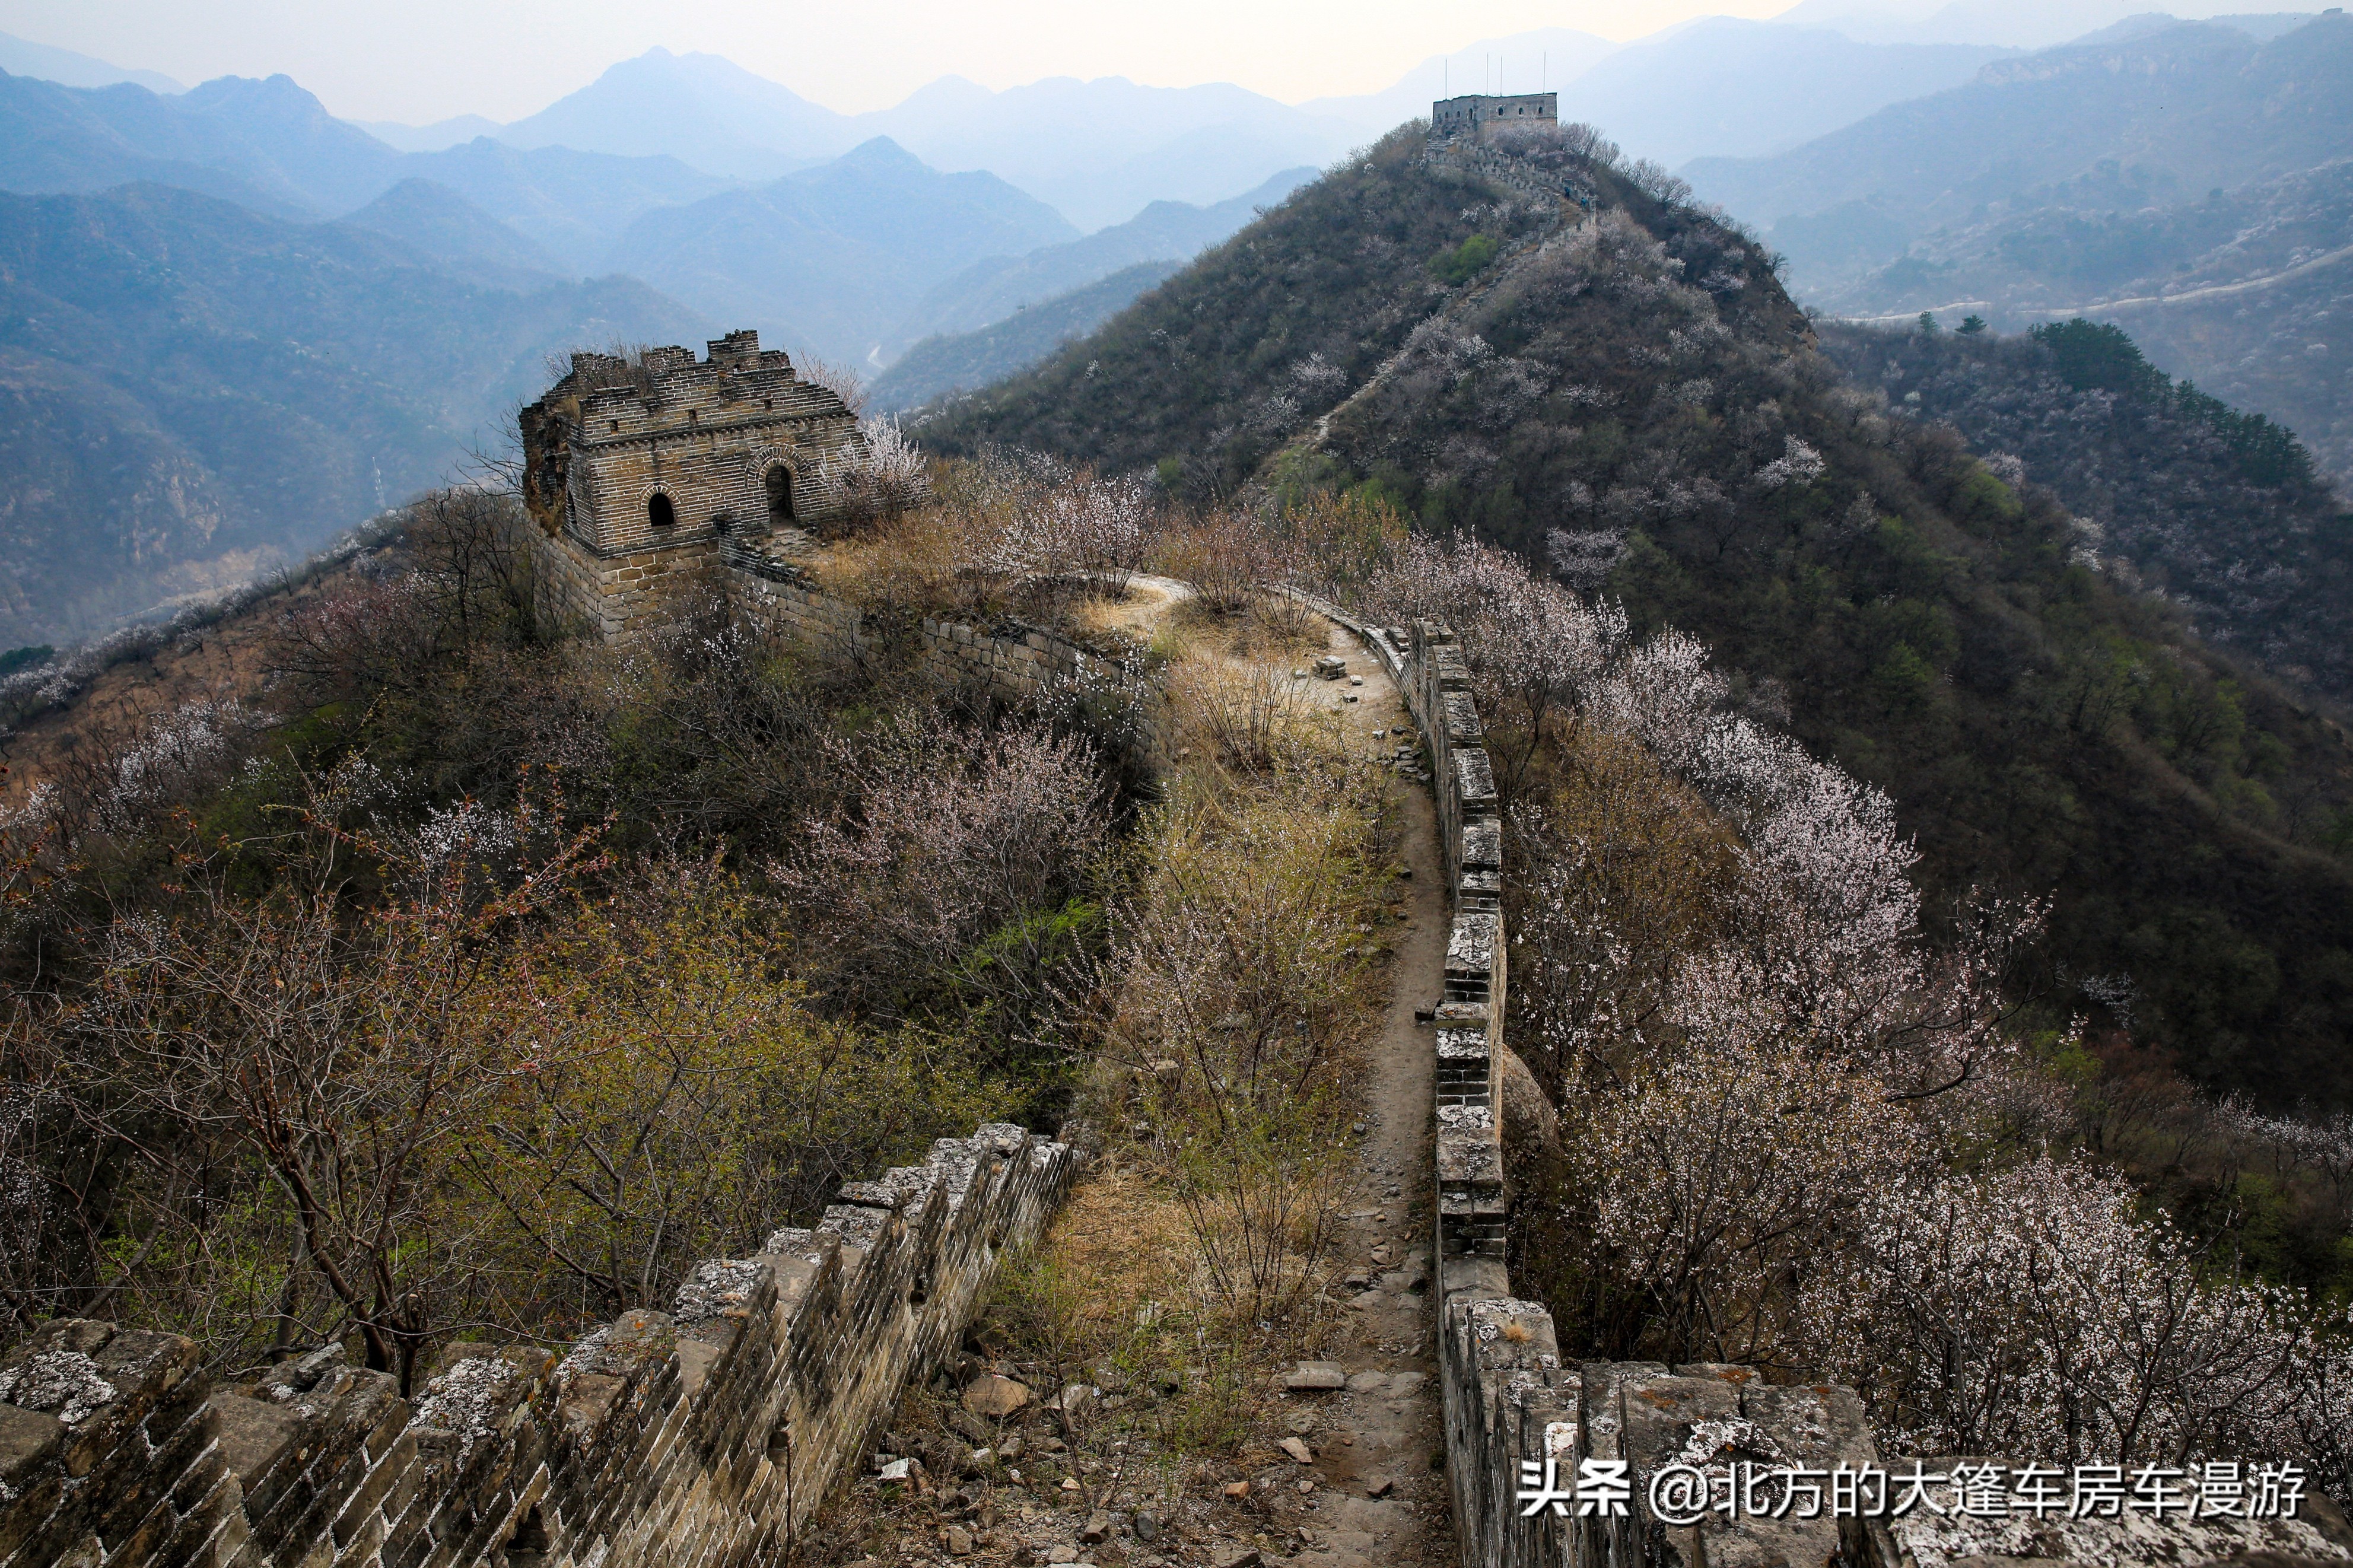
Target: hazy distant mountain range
2185	180
2186	106
1097	152
1007	314
995	288
1902	154
840	251
190	390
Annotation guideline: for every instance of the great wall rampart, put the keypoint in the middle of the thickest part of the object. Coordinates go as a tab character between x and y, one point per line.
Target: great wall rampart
1519	1417
711	1433
705	1436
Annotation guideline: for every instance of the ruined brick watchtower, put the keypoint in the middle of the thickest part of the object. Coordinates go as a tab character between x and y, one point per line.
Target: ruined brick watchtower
1479	115
639	472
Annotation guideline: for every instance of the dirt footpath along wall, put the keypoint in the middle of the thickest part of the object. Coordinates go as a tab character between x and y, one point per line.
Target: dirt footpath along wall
705	1436
1518	1416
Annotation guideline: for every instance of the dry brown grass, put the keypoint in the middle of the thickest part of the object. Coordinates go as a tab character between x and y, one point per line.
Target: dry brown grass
1123	1243
1270	628
919	562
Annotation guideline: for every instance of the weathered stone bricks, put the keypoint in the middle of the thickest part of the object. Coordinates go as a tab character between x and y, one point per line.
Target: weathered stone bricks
701	1435
1509	1399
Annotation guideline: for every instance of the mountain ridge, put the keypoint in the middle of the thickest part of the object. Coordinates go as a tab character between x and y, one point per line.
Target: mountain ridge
991	290
1626	391
832	257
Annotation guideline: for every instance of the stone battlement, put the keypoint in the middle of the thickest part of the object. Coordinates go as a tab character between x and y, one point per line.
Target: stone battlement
1477	116
639	472
706	1434
1511	1398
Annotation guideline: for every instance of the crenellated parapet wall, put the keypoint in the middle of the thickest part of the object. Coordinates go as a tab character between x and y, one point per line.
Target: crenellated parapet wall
1517	1414
708	1435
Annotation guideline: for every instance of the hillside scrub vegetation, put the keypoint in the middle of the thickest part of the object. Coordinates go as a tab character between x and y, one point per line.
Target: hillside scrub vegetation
2170	491
1626	395
1228	1021
465	978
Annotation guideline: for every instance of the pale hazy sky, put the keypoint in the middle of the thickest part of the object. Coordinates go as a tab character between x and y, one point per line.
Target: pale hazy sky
421	60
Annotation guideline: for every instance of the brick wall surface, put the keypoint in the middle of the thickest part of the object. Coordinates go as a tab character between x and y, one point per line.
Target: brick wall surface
707	1434
1465	156
1512	1399
706	435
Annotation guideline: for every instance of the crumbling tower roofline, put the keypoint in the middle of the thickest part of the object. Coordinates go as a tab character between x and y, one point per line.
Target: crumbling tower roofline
1479	115
733	441
638	468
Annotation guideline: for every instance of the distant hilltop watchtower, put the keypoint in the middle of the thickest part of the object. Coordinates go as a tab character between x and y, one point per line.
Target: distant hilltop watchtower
1479	116
637	472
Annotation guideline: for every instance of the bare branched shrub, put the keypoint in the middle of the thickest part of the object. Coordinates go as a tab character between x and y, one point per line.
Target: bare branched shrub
1332	543
843	381
470	546
1657	182
1251	715
1226	553
1235	997
1719	1179
1009	532
327	1063
955	840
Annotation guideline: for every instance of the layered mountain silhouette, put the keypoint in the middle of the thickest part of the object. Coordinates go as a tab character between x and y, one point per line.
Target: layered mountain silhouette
68	67
2186	181
941	366
994	290
837	254
699	108
2181	108
1724	83
1095	151
190	390
267	143
437	223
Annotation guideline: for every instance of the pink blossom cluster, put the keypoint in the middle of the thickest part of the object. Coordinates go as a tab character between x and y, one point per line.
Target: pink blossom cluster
950	836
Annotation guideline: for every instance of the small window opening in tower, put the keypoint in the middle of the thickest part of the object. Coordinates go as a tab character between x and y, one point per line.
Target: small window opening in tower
658	511
780	494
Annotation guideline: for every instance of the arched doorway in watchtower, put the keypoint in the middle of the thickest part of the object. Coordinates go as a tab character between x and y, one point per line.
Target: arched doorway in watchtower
780	495
658	511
